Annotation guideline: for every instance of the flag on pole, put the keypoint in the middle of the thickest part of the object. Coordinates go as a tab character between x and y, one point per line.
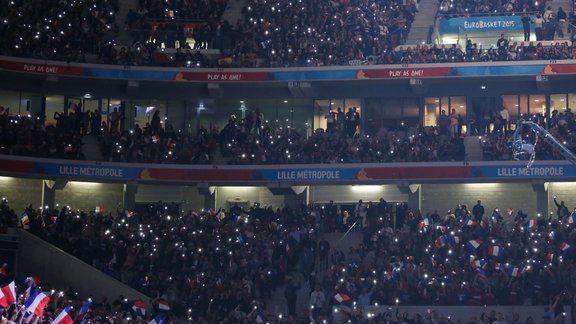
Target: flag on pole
161	318
341	297
441	241
139	308
8	295
86	308
24	218
36	303
496	251
469	222
472	245
65	317
163	305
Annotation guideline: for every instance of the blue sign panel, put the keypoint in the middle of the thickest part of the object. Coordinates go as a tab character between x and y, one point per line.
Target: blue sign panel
534	172
87	171
482	24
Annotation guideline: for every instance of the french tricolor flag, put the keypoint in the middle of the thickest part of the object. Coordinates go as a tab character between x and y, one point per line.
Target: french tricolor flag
426	221
441	241
65	317
515	271
469	222
139	308
496	251
8	295
85	308
564	246
533	223
163	305
472	245
36	303
341	297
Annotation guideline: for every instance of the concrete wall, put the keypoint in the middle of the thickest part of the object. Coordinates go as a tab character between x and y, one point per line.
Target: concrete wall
187	196
442	197
37	257
250	195
351	194
21	192
88	195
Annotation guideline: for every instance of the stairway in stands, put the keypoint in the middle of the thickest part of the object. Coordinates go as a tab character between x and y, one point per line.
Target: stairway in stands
423	22
91	148
277	303
473	145
233	12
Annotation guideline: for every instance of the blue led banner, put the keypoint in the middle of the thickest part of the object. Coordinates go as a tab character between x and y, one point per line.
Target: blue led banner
482	24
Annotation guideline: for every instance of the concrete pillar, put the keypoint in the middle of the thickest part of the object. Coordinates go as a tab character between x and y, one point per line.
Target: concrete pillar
130	189
413	191
541	190
49	188
415	197
48	194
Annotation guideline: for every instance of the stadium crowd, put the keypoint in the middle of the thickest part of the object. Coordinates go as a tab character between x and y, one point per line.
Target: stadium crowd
283	34
224	265
247	141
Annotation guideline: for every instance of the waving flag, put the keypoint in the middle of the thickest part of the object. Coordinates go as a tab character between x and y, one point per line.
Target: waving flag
469	222
24	218
3	270
86	308
139	308
564	246
341	297
496	251
8	295
472	245
161	318
36	303
426	221
99	210
163	305
65	317
533	223
442	229
549	256
441	241
515	271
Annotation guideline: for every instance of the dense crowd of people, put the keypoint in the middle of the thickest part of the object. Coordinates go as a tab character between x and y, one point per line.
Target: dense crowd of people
57	30
247	141
282	34
253	141
224	265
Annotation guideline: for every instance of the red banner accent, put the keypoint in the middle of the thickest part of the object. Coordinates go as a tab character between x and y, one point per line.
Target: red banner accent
461	172
17	166
41	68
195	175
560	69
222	76
403	73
